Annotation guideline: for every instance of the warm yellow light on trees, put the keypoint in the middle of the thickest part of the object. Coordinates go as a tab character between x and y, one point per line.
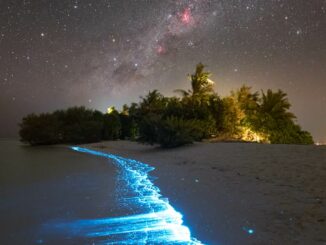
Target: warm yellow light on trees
110	109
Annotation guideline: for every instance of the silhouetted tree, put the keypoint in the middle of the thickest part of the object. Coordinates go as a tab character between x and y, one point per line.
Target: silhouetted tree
112	125
201	85
150	112
75	125
40	129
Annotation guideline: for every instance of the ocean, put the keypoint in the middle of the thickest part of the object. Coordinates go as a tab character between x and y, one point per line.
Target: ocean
46	184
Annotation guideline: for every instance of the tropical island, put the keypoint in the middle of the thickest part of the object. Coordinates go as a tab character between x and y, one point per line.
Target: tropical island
113	132
200	113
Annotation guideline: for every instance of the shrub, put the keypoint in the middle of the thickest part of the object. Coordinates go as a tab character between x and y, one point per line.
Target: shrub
129	127
83	132
148	129
112	126
40	129
75	125
173	132
290	133
80	125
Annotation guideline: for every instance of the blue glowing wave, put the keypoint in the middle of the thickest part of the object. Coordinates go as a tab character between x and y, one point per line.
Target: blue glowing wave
153	219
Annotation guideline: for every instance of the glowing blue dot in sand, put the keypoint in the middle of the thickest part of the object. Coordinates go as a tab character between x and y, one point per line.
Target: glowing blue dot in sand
153	221
249	230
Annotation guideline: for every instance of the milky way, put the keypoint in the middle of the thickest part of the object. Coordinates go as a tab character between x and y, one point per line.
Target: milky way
55	54
150	46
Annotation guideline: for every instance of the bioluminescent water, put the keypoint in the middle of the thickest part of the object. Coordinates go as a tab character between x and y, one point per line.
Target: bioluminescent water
153	220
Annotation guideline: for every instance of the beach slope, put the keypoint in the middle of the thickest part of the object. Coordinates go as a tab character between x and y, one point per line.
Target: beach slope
237	193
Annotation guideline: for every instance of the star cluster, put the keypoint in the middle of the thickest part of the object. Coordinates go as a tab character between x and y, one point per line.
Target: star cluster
55	54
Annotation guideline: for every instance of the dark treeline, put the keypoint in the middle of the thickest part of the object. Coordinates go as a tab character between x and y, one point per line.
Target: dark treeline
200	113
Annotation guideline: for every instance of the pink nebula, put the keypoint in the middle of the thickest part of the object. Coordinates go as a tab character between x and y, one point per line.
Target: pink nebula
186	16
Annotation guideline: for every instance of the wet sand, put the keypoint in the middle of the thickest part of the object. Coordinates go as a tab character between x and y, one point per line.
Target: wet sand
226	189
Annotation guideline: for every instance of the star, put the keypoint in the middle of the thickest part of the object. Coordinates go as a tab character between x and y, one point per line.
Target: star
190	43
298	32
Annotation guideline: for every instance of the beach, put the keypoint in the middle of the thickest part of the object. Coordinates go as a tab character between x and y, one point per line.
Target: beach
240	193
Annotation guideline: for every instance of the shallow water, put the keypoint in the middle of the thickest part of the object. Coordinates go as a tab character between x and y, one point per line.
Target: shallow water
58	195
149	218
42	184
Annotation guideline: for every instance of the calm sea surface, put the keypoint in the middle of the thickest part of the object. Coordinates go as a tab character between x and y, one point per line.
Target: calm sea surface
44	184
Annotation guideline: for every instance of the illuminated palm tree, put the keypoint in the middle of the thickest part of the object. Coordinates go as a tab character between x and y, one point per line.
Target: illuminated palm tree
247	100
201	85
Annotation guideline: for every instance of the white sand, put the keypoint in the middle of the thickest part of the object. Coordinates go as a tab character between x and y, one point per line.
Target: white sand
224	188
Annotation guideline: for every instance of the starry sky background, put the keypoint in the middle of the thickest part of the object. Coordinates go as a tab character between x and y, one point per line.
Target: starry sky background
60	53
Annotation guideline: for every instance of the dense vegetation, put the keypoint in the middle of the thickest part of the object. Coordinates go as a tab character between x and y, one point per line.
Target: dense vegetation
200	113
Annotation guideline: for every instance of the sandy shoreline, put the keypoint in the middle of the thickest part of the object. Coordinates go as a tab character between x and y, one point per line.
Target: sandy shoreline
225	188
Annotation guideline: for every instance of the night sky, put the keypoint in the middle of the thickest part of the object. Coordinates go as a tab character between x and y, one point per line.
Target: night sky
55	54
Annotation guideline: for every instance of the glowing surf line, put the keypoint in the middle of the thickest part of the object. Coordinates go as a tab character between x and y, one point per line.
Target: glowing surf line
155	222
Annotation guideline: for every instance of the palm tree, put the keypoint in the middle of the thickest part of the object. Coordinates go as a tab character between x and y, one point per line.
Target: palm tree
247	100
276	105
277	122
201	85
273	113
154	102
247	104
